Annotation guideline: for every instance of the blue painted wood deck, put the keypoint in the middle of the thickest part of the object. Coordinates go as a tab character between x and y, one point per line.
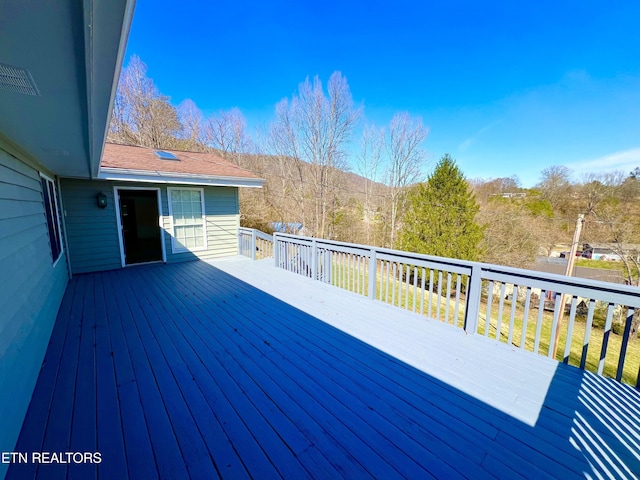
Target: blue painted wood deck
234	369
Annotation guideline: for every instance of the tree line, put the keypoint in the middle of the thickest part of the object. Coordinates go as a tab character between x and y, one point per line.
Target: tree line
344	178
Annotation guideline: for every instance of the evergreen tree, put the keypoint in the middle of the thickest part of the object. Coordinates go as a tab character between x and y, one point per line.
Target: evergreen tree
440	217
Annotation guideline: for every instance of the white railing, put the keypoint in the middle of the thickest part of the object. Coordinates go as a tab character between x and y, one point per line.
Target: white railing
520	307
254	244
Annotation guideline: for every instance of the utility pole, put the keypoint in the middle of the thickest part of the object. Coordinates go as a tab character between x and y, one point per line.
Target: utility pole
569	272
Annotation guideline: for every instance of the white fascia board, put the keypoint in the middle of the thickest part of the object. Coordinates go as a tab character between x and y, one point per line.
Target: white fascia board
123	175
106	24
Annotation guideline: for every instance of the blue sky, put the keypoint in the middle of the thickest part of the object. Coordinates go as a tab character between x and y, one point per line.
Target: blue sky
507	88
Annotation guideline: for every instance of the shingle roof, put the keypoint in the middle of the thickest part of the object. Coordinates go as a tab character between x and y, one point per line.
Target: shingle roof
131	158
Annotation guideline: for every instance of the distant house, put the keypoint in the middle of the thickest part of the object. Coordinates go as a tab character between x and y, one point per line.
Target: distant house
148	205
295	228
510	195
609	251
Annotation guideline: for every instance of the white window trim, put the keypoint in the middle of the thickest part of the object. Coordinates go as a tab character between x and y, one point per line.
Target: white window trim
58	214
174	247
116	199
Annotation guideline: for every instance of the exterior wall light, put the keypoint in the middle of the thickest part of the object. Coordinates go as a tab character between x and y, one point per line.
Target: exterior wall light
102	200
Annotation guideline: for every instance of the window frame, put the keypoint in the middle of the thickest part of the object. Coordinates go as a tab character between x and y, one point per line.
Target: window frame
174	243
51	210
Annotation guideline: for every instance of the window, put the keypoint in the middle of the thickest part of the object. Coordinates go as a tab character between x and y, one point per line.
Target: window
53	216
186	207
162	155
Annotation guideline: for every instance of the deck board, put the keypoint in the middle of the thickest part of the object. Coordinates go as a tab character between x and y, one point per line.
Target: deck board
83	432
346	392
135	433
267	348
241	387
235	369
226	392
160	352
58	429
110	439
161	432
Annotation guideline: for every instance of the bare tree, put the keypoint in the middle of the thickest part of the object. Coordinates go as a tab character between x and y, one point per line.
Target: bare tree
192	122
406	160
368	165
555	184
142	116
226	131
311	132
284	143
512	235
615	224
160	124
119	130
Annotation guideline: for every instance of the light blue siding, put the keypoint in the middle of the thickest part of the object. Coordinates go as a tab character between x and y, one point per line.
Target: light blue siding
30	294
93	232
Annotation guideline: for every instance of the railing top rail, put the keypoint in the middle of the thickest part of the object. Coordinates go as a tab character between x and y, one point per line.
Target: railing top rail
367	248
630	293
555	278
423	261
259	234
264	236
321	241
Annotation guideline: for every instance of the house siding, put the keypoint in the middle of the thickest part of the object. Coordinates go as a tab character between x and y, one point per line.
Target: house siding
31	293
93	232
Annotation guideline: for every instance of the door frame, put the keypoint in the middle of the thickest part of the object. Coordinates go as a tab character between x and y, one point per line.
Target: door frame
116	196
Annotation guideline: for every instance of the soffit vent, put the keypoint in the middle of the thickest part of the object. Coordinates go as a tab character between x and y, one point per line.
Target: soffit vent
166	155
17	80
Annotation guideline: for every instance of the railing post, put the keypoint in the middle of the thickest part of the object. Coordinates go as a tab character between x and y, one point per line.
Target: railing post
314	259
625	343
473	300
276	251
373	265
253	244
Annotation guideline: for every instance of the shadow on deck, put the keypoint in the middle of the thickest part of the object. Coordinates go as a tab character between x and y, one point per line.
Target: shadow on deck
179	371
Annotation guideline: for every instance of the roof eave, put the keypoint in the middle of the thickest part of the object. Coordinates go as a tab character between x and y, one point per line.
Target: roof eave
125	175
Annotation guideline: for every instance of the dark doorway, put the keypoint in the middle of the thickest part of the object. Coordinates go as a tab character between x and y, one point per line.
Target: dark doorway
139	217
